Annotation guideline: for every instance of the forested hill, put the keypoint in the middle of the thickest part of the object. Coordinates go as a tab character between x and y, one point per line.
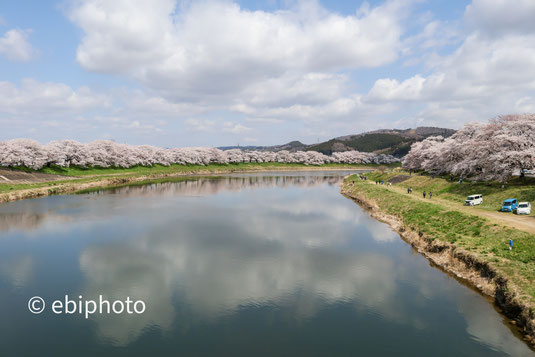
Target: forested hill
394	142
390	141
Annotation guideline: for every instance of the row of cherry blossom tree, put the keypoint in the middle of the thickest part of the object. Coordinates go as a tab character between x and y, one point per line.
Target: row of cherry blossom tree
493	151
104	153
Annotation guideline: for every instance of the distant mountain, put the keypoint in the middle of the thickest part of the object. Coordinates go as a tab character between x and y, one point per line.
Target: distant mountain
291	146
395	142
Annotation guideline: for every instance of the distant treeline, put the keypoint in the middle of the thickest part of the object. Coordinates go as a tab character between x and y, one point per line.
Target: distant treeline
103	153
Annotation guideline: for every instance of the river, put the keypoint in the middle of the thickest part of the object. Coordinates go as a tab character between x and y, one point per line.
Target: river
265	264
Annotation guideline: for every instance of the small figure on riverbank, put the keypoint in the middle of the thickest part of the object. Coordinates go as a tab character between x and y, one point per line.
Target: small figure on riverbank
408	190
424	194
430	194
510	244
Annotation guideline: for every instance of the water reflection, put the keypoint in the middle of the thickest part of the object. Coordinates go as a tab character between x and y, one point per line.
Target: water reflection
211	186
27	220
210	251
481	322
216	282
31	214
19	270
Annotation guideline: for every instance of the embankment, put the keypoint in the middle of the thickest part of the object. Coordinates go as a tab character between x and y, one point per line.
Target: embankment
41	188
481	270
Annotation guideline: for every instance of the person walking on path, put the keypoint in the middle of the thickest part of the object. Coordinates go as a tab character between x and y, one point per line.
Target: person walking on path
424	194
408	190
510	244
430	194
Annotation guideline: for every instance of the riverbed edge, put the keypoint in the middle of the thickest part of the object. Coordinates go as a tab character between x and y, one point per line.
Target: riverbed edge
458	262
114	180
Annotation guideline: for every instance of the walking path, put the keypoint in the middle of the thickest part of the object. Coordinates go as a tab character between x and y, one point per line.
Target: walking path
523	223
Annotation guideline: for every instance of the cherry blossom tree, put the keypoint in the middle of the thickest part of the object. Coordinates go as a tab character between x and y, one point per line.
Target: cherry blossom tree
493	151
23	152
106	153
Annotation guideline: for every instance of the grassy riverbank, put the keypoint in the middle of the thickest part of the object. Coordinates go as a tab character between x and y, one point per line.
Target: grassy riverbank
77	178
446	225
493	193
176	168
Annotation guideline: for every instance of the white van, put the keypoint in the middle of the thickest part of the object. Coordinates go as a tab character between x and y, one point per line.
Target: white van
523	208
473	200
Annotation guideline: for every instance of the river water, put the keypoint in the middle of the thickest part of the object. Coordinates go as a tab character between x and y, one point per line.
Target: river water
275	264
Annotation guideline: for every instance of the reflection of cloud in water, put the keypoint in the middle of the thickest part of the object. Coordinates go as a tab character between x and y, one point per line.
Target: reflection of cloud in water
486	326
382	232
255	249
117	272
18	270
216	278
32	214
196	260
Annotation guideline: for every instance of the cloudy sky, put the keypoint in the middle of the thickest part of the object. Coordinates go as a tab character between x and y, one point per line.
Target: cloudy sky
212	73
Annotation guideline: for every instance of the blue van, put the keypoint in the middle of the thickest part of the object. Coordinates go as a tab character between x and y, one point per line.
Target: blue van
509	205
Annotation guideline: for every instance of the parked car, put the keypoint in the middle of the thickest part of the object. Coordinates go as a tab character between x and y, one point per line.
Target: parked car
523	208
473	200
527	172
509	205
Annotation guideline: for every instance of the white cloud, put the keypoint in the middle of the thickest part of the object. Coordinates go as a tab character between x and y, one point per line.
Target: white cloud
295	73
14	45
251	140
293	88
392	89
33	98
216	48
148	105
487	75
433	36
481	74
235	128
200	125
501	17
262	120
270	66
